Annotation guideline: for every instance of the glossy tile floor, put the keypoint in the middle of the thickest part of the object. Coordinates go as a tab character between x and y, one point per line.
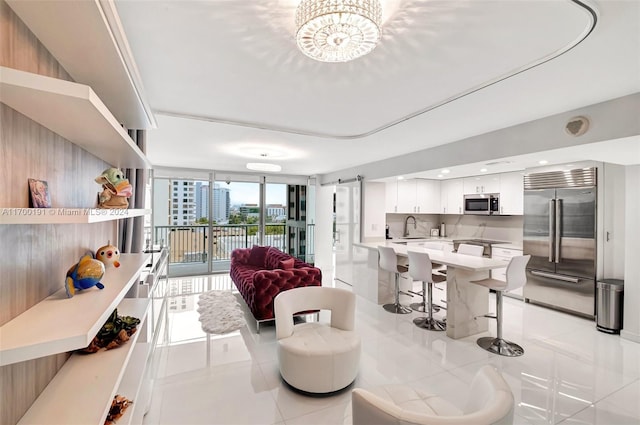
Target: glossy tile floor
570	373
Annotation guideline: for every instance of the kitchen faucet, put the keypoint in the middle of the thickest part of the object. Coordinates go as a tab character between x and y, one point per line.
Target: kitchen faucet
406	221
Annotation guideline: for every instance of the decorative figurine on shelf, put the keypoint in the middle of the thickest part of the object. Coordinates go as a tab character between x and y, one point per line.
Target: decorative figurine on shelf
115	189
109	255
85	274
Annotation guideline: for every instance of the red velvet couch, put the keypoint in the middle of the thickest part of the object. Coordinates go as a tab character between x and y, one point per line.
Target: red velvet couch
261	273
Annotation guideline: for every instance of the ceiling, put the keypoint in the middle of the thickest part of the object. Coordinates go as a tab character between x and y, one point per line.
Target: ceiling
227	85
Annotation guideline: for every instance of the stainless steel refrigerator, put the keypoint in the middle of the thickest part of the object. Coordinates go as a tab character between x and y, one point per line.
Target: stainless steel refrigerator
560	214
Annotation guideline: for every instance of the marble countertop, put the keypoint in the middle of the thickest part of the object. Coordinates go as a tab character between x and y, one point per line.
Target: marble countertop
451	259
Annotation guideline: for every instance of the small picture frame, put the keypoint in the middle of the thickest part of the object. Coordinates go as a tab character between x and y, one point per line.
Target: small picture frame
39	194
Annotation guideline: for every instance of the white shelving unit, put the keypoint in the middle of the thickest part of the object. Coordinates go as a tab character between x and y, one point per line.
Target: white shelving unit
81	392
132	381
58	324
65	215
74	112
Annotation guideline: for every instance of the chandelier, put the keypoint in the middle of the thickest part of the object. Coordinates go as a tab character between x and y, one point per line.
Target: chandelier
338	30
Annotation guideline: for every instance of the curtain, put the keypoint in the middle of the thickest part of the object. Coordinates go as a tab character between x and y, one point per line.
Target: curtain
131	230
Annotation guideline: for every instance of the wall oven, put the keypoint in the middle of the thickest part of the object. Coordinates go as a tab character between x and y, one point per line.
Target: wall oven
482	204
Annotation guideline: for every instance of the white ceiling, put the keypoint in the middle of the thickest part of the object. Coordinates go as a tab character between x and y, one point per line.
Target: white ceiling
226	82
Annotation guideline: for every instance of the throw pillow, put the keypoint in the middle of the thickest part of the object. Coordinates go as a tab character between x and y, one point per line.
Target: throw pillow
287	264
258	255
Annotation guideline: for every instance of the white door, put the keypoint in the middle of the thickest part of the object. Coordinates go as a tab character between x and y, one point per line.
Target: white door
347	227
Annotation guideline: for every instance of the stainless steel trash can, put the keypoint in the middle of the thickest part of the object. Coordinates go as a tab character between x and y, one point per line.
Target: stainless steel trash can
609	299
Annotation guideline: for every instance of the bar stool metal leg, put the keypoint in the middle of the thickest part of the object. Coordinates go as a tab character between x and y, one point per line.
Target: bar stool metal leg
421	305
396	307
499	345
429	322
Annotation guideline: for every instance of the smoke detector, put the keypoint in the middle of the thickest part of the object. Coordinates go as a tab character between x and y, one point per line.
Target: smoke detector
577	126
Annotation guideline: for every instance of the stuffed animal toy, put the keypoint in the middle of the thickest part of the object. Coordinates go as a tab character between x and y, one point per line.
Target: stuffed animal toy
85	274
115	189
109	255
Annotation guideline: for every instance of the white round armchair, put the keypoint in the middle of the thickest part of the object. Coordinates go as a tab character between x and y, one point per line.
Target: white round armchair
317	357
490	402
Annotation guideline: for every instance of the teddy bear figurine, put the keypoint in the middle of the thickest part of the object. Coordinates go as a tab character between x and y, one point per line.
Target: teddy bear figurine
115	189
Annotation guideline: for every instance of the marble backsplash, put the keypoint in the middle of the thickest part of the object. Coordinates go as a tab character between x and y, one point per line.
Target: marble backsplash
504	228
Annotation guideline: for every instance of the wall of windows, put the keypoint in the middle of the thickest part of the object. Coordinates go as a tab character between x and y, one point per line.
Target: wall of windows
203	220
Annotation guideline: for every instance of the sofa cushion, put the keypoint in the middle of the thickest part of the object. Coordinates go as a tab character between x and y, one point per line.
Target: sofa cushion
287	264
258	255
274	256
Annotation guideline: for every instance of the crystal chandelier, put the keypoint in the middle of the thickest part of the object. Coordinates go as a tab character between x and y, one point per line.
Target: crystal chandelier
338	30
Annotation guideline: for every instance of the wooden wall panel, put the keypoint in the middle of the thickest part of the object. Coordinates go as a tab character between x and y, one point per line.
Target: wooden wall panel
35	258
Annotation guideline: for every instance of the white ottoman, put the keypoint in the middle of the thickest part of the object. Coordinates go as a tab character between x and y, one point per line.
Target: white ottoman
317	357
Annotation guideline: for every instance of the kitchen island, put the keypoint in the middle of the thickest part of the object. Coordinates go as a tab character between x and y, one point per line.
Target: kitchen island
465	301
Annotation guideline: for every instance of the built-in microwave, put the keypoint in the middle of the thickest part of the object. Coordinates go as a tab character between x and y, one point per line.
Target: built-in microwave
482	204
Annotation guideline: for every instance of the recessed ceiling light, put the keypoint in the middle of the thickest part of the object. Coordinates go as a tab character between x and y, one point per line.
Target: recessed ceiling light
440	176
445	171
543	162
400	177
263	166
483	170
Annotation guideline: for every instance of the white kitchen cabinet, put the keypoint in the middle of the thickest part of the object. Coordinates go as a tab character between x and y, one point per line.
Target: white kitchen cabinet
481	184
511	193
406	196
415	196
505	254
613	221
427	196
451	196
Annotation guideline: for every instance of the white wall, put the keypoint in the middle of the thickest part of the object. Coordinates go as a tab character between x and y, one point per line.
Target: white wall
631	317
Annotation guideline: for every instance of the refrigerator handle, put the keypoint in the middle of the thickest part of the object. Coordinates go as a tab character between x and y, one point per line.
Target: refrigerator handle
552	227
558	230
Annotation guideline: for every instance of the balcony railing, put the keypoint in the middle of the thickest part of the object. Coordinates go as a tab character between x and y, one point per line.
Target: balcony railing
189	245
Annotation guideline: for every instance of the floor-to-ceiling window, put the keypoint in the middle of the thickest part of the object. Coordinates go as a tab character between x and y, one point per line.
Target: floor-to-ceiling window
203	220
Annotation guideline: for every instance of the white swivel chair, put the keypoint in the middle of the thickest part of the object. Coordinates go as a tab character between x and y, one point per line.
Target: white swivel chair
317	357
516	278
389	262
420	268
490	402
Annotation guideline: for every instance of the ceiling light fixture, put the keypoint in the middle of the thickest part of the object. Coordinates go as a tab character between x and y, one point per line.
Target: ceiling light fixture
445	171
483	170
263	166
543	162
338	30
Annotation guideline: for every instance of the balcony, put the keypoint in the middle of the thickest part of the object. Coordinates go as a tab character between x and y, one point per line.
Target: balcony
189	249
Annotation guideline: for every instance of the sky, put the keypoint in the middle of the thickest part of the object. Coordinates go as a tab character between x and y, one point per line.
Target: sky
247	193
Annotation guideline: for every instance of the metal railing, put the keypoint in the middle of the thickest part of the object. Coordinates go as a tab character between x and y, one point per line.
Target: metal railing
190	244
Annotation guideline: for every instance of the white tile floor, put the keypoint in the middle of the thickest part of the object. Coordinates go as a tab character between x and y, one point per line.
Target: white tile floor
570	373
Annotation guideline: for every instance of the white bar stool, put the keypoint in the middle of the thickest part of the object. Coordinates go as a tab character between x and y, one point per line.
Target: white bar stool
389	262
421	306
420	268
516	278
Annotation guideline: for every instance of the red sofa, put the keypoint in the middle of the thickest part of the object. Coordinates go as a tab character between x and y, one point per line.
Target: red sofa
261	273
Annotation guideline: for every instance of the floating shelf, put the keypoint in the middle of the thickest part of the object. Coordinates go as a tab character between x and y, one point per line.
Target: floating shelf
82	391
132	382
58	324
73	111
65	215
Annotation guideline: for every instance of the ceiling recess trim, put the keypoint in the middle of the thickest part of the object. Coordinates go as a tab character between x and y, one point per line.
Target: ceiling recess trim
291	130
